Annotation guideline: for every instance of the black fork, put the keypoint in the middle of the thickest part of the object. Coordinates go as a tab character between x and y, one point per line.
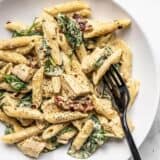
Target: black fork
121	97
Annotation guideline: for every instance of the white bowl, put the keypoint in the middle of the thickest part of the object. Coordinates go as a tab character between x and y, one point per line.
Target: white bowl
144	69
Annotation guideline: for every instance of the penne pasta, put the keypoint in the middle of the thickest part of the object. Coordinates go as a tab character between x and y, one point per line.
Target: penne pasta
67	7
53	130
81	52
37	82
13	57
133	87
100	29
61	117
21	135
56	83
113	59
50	34
22	112
65	137
4	118
83	135
15	42
15	26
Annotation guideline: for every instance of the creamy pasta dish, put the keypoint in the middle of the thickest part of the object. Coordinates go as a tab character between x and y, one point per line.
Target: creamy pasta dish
52	91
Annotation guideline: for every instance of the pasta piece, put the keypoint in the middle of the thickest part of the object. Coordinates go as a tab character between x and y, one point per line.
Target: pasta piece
78	123
89	61
81	52
37	82
50	33
24	50
104	107
113	59
133	87
113	128
126	59
4	118
5	70
56	83
53	130
15	42
67	7
102	28
65	137
66	63
23	72
76	68
61	117
82	136
73	87
40	52
63	43
13	57
104	40
23	112
15	26
32	146
21	135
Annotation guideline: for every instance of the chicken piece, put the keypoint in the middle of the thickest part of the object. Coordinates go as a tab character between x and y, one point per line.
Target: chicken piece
23	72
73	87
32	146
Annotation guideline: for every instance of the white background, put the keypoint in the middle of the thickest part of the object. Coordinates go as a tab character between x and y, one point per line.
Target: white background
147	14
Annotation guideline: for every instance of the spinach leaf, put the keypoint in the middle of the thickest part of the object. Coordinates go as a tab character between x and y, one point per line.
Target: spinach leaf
8	130
99	61
28	32
26	100
51	69
71	30
15	82
95	140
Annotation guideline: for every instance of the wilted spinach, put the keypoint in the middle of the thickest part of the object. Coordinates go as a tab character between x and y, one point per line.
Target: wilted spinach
70	30
15	82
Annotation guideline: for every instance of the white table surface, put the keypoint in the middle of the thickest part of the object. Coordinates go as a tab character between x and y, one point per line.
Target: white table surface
147	14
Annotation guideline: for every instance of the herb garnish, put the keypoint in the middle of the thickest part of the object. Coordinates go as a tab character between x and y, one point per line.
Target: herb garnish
28	32
15	82
70	30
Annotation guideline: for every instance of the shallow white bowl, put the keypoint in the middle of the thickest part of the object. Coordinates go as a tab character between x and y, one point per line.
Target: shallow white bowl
144	69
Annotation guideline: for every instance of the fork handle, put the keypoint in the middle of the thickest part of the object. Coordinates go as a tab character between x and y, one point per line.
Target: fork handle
131	143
